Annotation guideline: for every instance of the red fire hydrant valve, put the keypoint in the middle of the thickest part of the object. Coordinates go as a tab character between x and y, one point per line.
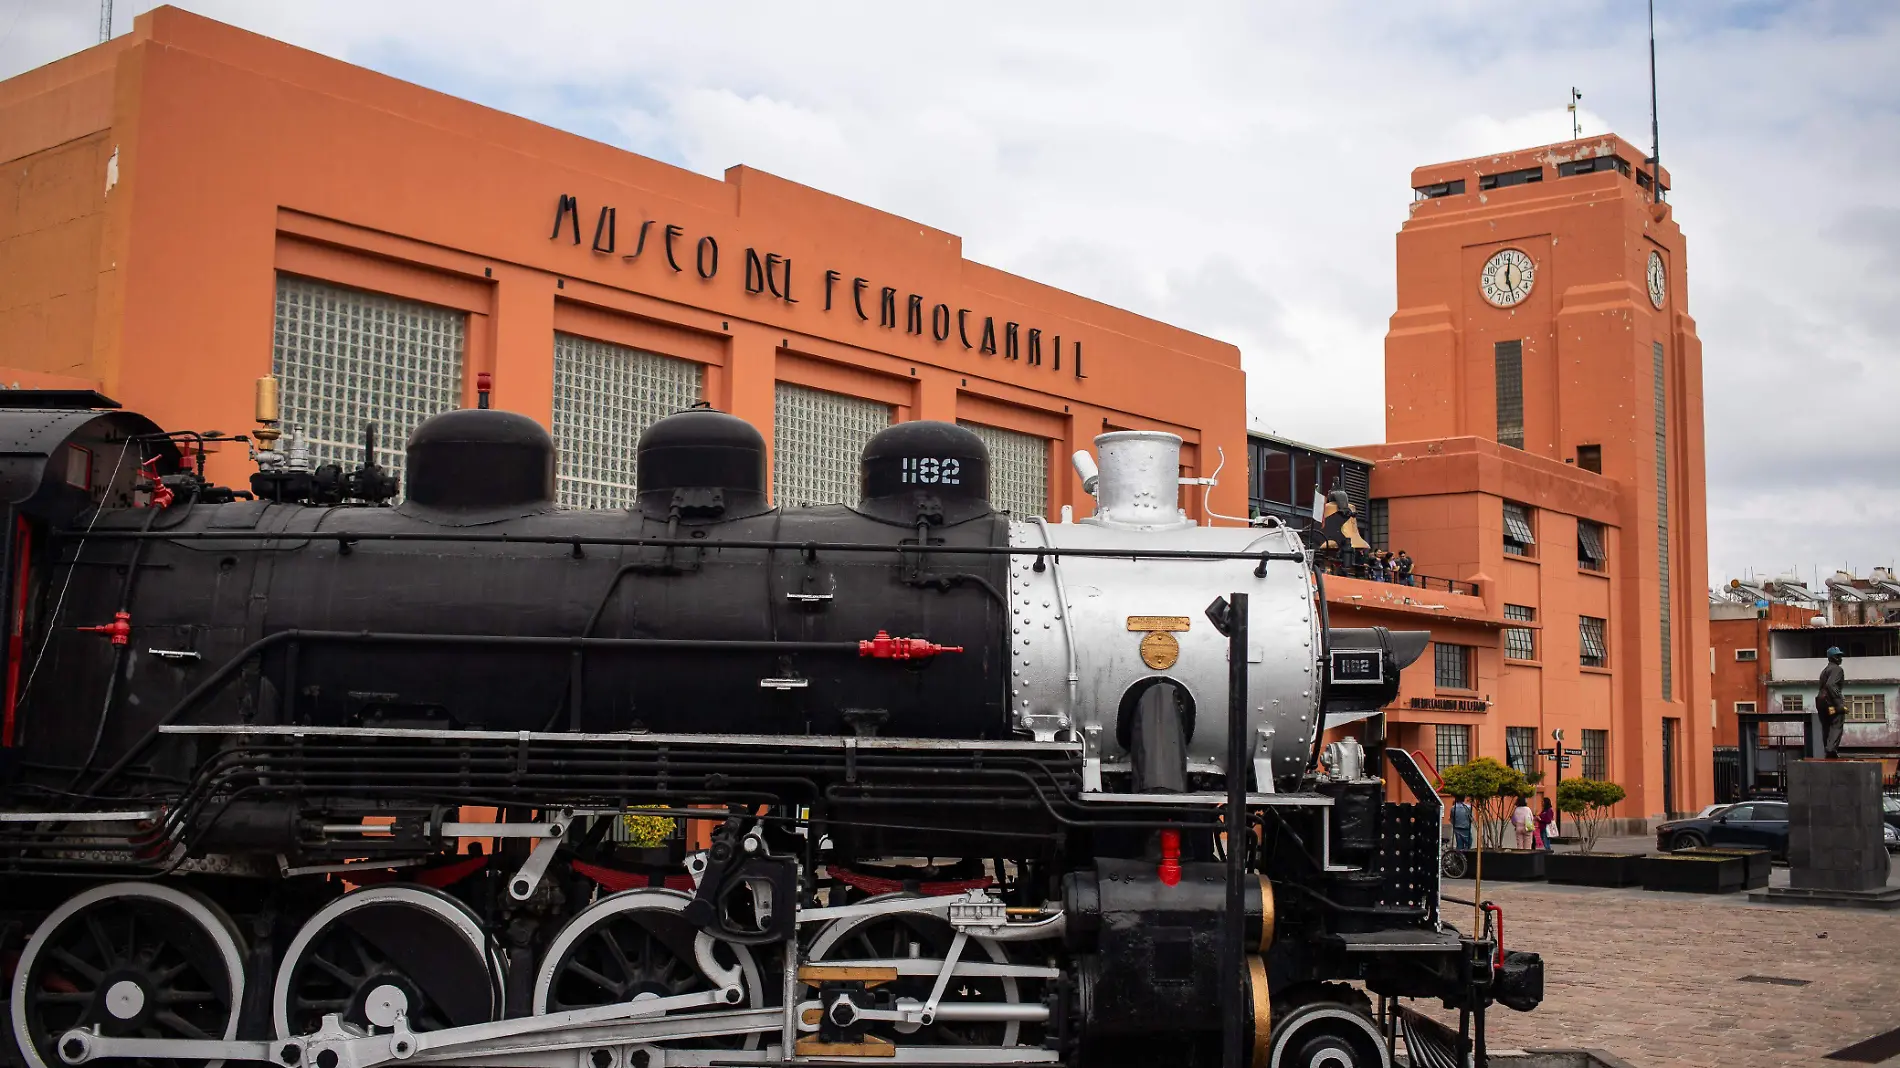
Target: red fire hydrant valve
119	630
885	647
1170	872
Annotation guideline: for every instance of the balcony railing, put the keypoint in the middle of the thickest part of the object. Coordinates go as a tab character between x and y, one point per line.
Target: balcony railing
1362	570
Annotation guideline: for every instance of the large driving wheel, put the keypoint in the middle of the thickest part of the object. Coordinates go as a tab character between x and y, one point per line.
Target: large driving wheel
1327	1034
383	950
141	959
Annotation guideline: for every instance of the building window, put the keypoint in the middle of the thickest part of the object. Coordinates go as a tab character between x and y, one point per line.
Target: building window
345	358
1520	746
1517	530
1273	475
1509	357
1520	643
1510	178
1591	555
1592	651
1744	707
1453	666
1019	470
1589	166
818	439
1662	524
605	396
1454	744
1378	525
1745	654
1590	458
1866	707
1791	702
1439	189
1596	754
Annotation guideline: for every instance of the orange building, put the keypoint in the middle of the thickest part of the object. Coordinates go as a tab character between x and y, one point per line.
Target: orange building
1544	420
190	206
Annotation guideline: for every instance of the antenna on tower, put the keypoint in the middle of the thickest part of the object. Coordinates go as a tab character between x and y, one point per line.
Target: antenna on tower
1655	138
105	21
1576	126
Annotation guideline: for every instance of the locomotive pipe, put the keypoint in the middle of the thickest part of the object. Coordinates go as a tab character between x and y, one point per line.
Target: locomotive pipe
1234	935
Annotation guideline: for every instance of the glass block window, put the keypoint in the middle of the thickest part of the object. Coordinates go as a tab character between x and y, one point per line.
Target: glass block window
605	396
1019	470
1509	357
1866	707
1517	529
1520	643
1592	650
1590	553
1452	666
1662	524
1377	529
817	440
1596	754
1454	744
1520	747
344	358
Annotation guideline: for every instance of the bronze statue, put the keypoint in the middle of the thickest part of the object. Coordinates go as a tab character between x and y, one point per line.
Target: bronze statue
1829	705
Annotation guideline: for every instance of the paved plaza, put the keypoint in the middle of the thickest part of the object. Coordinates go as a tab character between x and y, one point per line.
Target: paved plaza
1662	980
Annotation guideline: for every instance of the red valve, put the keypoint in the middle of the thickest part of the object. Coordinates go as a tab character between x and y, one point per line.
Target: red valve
484	382
1170	857
161	493
885	647
119	630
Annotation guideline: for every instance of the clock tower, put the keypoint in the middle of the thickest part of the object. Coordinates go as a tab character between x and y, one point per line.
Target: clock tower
1543	305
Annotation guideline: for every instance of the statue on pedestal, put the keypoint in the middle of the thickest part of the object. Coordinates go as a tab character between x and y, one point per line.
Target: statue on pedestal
1830	705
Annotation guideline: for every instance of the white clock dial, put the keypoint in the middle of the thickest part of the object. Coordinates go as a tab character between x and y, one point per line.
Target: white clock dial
1507	278
1658	279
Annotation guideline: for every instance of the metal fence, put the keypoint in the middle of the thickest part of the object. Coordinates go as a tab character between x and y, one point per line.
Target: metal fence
1415	580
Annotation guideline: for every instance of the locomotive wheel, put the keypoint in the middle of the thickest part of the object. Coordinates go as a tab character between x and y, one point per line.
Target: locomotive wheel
919	935
1327	1034
134	959
386	949
636	945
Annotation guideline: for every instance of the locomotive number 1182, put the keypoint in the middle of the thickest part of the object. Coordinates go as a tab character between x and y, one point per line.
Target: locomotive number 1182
932	470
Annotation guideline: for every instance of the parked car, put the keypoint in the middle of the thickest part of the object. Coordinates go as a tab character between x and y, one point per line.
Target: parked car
1756	824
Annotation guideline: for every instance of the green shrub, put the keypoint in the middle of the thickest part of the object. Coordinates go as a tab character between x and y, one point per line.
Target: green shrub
1494	789
1590	801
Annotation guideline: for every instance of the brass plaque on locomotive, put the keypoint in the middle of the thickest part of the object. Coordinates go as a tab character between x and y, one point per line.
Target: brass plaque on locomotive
1158	623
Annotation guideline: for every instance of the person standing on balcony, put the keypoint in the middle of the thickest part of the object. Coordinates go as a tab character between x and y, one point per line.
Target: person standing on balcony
1402	568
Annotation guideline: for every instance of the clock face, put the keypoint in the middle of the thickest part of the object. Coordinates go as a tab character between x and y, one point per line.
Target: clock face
1658	280
1507	277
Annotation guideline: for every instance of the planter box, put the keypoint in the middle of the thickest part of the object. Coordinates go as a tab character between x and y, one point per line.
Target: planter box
1693	873
1594	869
1507	865
1756	863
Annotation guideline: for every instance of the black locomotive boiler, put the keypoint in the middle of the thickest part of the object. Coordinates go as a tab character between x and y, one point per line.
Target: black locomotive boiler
303	774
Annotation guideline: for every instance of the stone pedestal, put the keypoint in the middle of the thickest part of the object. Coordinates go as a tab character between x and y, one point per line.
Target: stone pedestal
1836	854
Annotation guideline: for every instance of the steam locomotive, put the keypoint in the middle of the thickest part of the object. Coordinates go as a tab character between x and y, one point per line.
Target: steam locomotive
302	774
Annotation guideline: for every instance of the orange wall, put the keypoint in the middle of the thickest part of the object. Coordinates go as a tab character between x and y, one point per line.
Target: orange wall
1587	327
238	157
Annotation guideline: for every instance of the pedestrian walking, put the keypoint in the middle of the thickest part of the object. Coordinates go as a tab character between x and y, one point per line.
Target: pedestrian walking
1524	823
1460	823
1546	819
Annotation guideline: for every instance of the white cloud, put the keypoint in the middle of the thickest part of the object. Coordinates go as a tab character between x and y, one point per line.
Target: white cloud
1240	170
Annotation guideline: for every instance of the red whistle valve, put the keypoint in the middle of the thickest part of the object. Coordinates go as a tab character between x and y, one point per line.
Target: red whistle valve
885	647
119	630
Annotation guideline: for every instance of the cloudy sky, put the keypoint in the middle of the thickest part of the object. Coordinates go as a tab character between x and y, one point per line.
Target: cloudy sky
1240	169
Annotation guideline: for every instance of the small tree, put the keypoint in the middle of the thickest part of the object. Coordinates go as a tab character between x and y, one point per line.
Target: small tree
1493	788
1590	801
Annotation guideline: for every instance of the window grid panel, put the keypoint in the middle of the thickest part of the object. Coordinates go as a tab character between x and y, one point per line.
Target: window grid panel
1509	356
1791	702
1592	651
1596	754
1520	643
1866	708
1452	666
1662	524
605	396
1019	470
1377	529
817	443
1521	613
1520	744
345	357
1590	552
1454	745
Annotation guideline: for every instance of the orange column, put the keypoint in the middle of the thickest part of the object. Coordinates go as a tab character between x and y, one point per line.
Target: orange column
935	397
751	380
523	356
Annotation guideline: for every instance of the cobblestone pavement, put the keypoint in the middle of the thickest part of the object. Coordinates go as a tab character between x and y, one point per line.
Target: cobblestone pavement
1656	978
